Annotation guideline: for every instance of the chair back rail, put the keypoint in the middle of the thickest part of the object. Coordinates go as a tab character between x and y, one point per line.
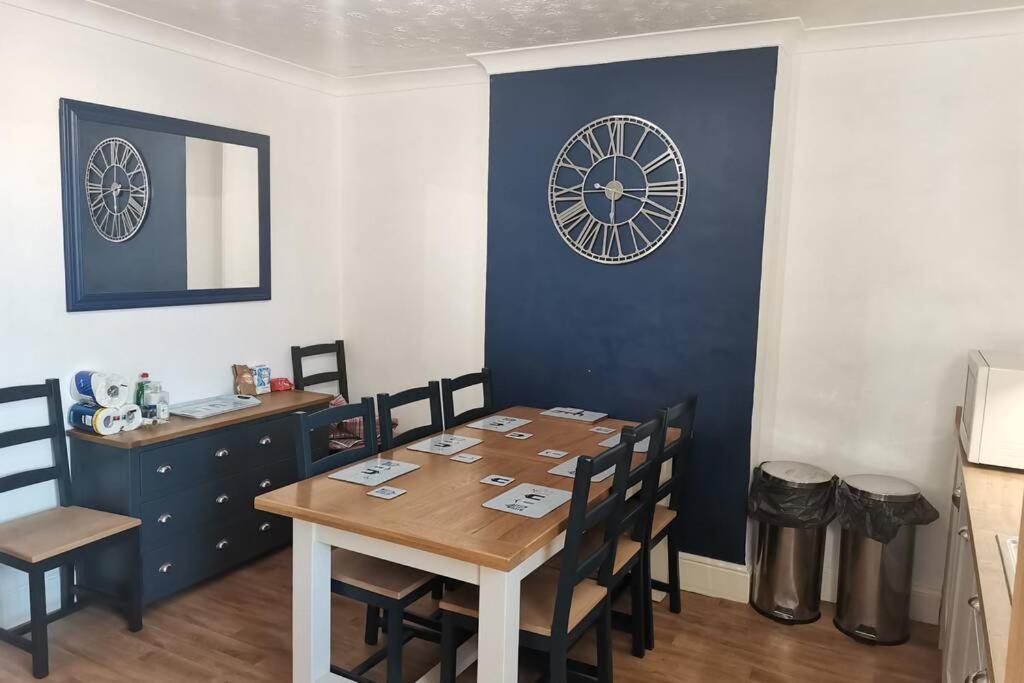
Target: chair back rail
585	518
680	416
339	374
388	402
636	517
53	430
450	385
303	423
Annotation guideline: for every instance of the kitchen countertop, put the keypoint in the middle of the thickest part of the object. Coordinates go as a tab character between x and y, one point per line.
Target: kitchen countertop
995	498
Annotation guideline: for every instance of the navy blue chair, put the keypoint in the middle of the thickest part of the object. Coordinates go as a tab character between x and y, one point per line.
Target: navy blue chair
379	584
386	403
450	386
339	374
573	600
58	537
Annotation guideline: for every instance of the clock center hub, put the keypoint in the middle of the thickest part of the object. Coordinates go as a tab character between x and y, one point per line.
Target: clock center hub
613	190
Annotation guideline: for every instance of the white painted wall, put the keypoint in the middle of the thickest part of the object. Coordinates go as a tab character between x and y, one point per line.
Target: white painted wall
189	348
413	234
904	251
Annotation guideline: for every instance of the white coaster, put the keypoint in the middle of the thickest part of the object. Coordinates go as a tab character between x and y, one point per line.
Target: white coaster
519	435
529	500
602	430
444	444
385	492
499	423
465	457
497	480
374	472
552	453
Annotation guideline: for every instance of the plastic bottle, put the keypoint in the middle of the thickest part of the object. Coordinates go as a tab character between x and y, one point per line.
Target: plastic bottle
140	388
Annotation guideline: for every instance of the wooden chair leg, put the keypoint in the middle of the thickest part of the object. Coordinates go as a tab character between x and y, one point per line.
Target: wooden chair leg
449	648
674	597
395	642
604	643
638	610
648	601
133	600
37	612
372	625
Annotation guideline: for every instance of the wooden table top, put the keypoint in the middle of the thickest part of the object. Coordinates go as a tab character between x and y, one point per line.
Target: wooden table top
442	510
274	403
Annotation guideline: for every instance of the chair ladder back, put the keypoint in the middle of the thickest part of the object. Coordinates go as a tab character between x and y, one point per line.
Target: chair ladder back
387	402
303	423
585	518
637	514
53	430
339	374
450	386
680	416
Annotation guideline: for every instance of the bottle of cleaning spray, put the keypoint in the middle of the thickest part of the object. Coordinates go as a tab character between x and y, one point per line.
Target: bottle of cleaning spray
140	388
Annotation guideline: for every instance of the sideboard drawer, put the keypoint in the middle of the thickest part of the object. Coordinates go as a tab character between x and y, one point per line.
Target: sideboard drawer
269	441
212	504
182	465
266	479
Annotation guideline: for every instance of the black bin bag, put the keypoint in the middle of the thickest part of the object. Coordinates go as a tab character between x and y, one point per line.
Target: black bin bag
876	507
792	494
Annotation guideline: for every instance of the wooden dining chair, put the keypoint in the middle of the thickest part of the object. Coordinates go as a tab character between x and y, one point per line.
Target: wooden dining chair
59	536
664	522
379	584
558	606
339	374
628	564
388	402
450	386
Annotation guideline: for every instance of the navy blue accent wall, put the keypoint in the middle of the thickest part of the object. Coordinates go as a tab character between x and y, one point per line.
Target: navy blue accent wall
155	258
628	339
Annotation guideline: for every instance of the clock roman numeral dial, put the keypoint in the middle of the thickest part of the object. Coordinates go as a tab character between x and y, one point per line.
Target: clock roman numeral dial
116	189
617	189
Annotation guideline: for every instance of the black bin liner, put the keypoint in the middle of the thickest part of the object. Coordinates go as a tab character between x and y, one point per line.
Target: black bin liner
880	520
787	504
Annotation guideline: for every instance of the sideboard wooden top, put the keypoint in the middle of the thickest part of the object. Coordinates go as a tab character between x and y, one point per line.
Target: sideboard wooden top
274	403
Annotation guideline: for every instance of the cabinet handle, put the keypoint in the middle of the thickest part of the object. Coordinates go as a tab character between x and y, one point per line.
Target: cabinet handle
163	469
164	518
977	677
222	498
265	527
165	567
974	603
964	533
222	543
265	484
957	494
221	453
265	441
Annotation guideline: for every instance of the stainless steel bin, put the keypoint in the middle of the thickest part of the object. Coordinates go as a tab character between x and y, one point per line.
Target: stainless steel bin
786	581
873	603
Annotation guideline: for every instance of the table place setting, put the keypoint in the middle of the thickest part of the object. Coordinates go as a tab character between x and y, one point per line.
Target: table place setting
499	423
639	447
529	500
568	469
445	444
374	472
575	414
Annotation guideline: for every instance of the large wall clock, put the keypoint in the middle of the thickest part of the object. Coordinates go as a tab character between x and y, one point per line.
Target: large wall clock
617	189
117	189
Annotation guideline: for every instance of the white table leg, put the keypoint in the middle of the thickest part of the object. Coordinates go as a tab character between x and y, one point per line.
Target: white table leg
311	605
498	660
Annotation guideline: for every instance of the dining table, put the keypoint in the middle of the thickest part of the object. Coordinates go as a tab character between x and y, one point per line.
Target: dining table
439	525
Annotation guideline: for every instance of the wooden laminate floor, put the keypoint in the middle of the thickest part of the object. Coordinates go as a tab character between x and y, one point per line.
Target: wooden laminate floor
237	628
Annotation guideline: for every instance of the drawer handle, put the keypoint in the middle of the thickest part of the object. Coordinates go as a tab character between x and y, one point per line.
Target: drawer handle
165	567
265	527
221	453
964	534
164	518
222	498
265	484
163	469
222	543
265	441
974	603
957	493
977	677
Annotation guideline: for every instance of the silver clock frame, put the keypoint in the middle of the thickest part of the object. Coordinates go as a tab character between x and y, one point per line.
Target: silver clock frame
557	194
126	222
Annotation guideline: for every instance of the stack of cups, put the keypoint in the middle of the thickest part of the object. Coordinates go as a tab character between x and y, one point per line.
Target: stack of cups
102	405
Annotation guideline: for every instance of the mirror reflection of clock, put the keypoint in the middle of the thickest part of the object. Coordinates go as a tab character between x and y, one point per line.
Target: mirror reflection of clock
116	189
617	189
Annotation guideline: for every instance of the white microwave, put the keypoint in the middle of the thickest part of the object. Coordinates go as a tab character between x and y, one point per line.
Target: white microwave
992	426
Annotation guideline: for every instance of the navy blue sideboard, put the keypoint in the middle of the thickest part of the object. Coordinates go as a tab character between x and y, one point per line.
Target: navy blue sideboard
192	483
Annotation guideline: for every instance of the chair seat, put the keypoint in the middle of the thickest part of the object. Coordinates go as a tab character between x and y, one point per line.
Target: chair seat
625	550
662	518
376	576
537	601
49	533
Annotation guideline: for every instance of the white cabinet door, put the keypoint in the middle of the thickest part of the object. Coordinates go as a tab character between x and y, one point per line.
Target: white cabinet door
959	658
957	519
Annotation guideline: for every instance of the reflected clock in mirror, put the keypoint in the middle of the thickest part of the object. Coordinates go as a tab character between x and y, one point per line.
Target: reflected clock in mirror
617	189
161	211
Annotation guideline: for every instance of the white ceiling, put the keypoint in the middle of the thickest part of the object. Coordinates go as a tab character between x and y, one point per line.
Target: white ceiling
356	37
